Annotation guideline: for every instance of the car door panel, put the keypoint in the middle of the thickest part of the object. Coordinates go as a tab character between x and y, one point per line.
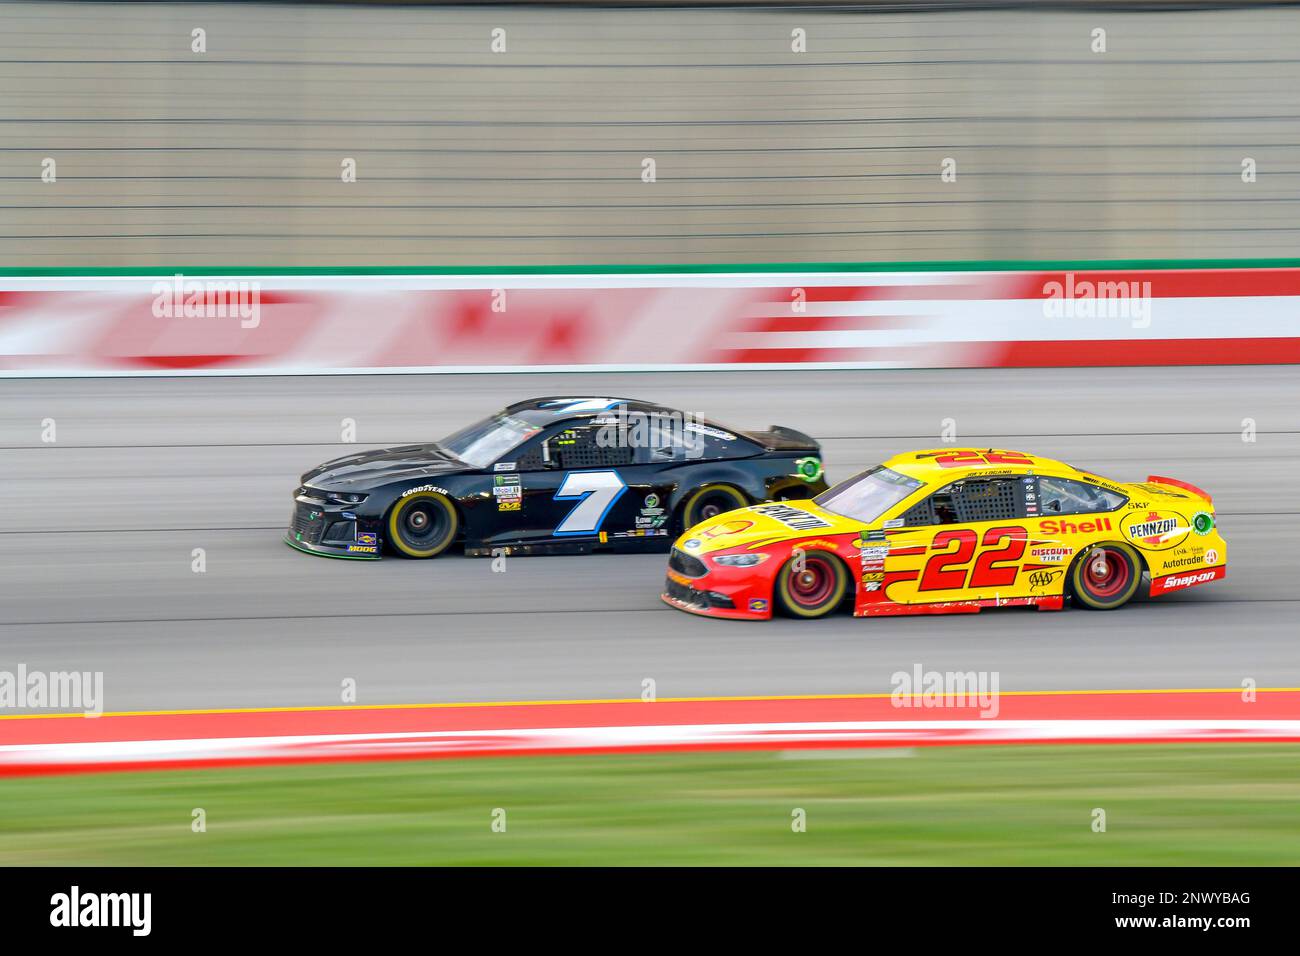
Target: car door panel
941	555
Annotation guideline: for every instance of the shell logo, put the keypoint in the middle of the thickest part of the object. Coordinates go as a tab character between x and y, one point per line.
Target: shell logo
726	528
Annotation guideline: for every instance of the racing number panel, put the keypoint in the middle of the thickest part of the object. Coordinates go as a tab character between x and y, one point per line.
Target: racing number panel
595	494
968	538
571	488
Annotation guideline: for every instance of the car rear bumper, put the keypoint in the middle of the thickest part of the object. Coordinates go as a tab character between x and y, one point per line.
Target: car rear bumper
1180	580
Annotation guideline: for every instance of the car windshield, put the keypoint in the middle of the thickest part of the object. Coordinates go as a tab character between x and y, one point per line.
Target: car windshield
869	495
484	442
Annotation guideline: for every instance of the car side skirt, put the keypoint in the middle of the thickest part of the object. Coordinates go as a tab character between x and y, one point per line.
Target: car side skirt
1048	602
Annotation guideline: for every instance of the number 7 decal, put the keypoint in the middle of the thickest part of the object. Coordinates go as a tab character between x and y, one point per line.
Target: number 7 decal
597	491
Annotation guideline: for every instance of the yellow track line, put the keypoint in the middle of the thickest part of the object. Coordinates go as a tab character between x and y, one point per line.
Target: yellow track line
626	700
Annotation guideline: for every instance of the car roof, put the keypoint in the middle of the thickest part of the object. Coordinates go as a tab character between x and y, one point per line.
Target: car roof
944	465
552	409
583	406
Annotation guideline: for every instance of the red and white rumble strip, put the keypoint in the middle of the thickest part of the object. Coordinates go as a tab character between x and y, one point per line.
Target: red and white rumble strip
61	744
232	324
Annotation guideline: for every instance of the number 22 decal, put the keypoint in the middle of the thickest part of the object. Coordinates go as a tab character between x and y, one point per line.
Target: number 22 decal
946	571
961	459
596	492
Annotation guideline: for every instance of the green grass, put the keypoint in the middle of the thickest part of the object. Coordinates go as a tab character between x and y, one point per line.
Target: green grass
1175	805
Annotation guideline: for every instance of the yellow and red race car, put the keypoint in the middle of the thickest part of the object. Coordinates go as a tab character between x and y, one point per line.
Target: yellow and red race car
950	530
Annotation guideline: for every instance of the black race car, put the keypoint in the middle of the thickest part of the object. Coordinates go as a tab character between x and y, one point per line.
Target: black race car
547	476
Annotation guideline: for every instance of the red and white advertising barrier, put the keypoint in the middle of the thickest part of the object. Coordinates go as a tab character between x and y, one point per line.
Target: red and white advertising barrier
334	323
155	741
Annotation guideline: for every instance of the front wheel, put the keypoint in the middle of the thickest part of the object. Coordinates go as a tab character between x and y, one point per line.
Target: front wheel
423	525
812	589
1105	576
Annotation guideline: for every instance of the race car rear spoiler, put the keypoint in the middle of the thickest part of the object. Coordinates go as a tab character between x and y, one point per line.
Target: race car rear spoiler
1186	486
780	438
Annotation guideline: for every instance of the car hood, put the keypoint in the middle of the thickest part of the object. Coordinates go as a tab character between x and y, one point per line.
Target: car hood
371	468
763	524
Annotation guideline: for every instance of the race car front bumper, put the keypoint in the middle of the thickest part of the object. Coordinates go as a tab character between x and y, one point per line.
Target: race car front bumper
331	531
736	593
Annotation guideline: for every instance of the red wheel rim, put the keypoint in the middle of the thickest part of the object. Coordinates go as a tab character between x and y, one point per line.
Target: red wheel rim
1107	574
813	585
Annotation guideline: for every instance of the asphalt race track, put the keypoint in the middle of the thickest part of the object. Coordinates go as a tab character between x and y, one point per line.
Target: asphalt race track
99	527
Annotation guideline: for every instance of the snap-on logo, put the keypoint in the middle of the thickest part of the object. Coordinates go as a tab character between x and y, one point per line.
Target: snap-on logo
1186	579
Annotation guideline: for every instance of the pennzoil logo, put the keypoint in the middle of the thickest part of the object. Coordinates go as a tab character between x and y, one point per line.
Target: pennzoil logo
1155	530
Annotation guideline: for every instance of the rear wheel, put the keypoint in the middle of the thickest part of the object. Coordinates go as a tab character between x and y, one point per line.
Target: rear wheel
814	588
1105	576
709	502
423	525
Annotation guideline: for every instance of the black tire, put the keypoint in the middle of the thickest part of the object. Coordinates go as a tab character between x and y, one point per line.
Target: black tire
708	502
423	525
1105	576
816	591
